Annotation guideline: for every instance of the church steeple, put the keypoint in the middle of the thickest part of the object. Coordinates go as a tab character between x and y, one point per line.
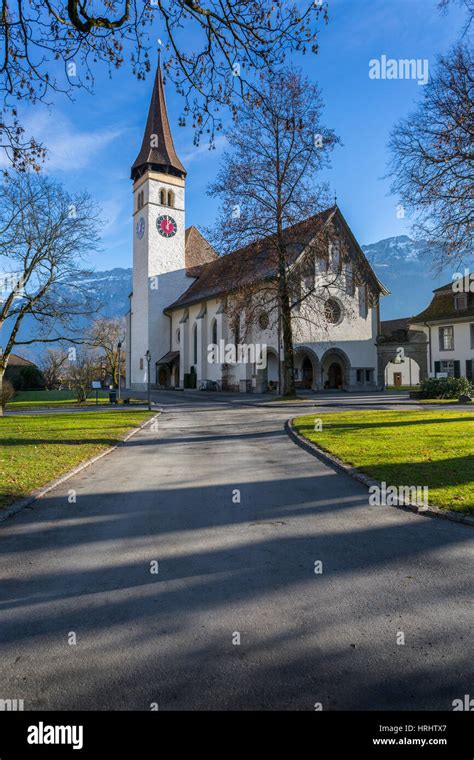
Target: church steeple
158	152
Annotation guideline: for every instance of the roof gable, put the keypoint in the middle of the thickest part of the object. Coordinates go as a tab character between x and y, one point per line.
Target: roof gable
257	261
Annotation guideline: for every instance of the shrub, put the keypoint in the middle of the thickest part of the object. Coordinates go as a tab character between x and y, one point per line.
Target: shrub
445	387
31	379
7	392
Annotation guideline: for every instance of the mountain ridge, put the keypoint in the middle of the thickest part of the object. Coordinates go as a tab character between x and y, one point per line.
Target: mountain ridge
402	264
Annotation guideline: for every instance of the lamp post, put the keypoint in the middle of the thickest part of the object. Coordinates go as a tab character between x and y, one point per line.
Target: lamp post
119	346
148	360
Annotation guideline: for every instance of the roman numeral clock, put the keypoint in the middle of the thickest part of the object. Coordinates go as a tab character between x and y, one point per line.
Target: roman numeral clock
166	226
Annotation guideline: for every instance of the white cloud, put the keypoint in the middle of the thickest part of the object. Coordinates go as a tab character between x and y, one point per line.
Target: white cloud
112	215
202	150
68	148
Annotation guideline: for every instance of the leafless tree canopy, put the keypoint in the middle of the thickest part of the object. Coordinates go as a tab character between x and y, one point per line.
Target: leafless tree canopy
210	50
268	188
468	5
81	371
44	233
104	336
53	365
433	158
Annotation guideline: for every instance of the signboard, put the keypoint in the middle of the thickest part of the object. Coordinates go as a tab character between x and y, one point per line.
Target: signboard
96	385
442	374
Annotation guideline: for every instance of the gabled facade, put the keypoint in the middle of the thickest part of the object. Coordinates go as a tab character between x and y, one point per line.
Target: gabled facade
184	298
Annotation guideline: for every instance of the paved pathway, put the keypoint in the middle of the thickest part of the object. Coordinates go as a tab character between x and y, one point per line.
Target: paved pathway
230	568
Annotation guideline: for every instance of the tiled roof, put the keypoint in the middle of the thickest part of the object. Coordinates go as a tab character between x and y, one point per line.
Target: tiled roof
197	249
253	263
18	361
389	327
442	306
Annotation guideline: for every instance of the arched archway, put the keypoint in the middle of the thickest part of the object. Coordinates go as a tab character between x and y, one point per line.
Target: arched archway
307	368
268	376
163	376
307	372
414	346
335	369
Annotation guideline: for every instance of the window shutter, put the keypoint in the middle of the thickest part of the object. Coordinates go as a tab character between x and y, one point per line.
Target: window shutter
437	367
457	368
469	369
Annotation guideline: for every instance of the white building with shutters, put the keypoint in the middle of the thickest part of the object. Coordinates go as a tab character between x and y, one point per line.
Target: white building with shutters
448	323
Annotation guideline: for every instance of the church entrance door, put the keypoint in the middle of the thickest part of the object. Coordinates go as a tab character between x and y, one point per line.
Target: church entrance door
307	370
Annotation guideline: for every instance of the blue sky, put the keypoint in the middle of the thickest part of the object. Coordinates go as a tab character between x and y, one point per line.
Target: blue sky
93	140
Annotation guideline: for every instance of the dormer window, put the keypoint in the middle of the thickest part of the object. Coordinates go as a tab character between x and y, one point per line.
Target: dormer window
460	301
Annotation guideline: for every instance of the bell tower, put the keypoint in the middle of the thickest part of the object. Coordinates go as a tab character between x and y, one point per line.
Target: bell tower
159	275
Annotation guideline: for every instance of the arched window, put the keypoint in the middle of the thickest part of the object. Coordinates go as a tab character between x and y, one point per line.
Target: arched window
214	332
195	344
163	197
170	198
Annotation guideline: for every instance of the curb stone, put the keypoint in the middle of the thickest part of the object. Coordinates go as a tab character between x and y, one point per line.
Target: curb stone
337	464
20	504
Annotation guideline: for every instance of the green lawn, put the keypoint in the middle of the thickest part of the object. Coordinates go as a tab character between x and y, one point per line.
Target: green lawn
433	448
438	401
37	448
404	388
30	399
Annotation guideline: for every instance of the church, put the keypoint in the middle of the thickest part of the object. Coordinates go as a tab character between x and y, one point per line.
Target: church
182	307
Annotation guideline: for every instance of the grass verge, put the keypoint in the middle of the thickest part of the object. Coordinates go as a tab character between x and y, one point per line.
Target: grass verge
54	399
433	448
37	448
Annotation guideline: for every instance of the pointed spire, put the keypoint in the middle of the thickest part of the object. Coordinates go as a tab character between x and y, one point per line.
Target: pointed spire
157	151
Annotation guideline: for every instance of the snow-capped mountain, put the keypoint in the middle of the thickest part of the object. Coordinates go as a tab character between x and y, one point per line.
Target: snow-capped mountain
402	264
405	267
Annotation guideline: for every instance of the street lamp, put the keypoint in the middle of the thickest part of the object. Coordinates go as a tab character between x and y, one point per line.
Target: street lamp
148	360
119	346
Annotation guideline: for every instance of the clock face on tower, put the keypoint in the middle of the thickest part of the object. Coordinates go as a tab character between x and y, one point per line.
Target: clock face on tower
166	226
140	228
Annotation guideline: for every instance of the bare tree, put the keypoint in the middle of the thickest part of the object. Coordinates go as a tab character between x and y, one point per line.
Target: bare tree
44	232
104	335
270	203
468	5
50	47
433	158
53	367
81	369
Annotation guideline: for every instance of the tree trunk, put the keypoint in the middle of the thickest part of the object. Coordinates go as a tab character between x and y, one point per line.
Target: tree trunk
2	372
288	370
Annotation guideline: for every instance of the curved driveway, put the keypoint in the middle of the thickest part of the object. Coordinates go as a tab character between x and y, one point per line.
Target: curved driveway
236	516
